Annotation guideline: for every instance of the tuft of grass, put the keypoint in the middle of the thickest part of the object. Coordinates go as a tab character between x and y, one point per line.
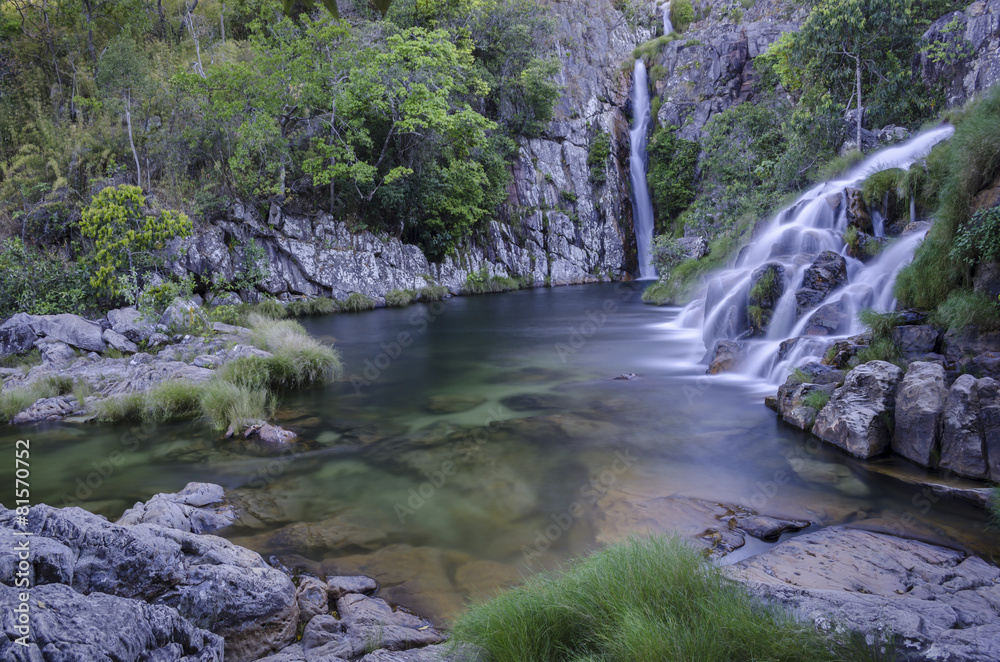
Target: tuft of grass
399	298
113	353
964	308
52	386
25	361
651	49
880	324
310	307
298	360
124	408
838	165
880	349
14	401
82	389
645	599
431	293
800	376
297	308
659	294
356	303
816	399
173	399
230	405
271	308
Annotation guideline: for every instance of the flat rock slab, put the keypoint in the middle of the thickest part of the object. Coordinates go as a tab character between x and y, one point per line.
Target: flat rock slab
942	604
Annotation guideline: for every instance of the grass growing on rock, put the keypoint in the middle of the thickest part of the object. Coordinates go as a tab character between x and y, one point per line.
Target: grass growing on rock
399	298
25	361
271	308
686	278
356	302
173	400
129	408
311	307
230	405
14	401
816	399
963	308
648	599
431	293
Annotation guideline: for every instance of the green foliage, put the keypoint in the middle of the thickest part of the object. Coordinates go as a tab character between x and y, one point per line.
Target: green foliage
649	50
483	283
672	171
431	293
310	307
816	399
229	405
597	157
230	314
686	278
765	287
25	361
880	325
399	298
979	239
879	349
650	599
839	164
173	399
953	48
299	359
42	284
667	253
957	170
681	14
356	302
995	507
124	408
124	235
658	294
271	308
799	376
963	308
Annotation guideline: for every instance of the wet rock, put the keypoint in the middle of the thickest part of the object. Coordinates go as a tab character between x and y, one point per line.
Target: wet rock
438	653
857	416
67	625
132	324
727	357
626	376
119	342
771	402
920	403
768	528
830	319
989	423
916	340
267	433
857	212
827	272
791	402
340	585
841	352
47	409
372	623
198	508
961	434
312	598
767	284
941	603
453	404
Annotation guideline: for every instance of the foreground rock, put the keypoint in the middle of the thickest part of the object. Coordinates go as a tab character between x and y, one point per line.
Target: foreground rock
857	416
942	604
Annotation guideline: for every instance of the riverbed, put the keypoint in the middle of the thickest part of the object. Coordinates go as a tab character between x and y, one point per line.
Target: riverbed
480	439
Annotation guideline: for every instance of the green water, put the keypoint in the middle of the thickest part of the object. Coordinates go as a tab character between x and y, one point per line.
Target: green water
484	438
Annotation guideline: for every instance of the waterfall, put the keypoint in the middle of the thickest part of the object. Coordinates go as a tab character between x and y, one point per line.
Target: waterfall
668	27
642	205
814	223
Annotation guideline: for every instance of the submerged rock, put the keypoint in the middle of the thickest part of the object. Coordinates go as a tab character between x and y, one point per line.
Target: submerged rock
857	416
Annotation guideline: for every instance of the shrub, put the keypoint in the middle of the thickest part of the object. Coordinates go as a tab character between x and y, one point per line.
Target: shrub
42	284
681	14
431	293
653	599
979	239
667	254
271	308
399	298
230	405
964	308
597	157
816	399
673	163
173	399
356	303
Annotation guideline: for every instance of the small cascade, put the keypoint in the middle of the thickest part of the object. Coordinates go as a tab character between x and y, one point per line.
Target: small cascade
642	205
804	323
668	27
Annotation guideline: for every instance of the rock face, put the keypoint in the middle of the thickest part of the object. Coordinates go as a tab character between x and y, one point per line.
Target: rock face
827	272
941	603
20	332
829	319
130	323
857	416
920	402
970	428
207	581
970	43
916	340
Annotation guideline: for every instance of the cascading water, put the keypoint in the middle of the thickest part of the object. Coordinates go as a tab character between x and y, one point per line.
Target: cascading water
642	205
788	246
668	27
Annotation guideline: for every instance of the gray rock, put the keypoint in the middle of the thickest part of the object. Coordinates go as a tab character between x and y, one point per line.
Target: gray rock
158	340
312	598
17	335
830	319
941	603
132	324
269	434
827	272
694	248
791	405
961	435
294	653
920	403
727	356
119	342
763	297
55	352
339	586
857	416
916	340
207	361
183	314
198	508
240	351
67	625
438	653
989	423
70	329
47	409
768	528
371	622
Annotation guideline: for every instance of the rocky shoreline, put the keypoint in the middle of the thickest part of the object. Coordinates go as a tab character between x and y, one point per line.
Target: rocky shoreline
157	584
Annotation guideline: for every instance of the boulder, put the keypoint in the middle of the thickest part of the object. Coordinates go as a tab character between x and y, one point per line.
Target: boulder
830	319
67	625
726	357
47	409
119	342
694	248
132	324
791	405
55	352
71	329
989	423
340	585
827	272
920	403
767	284
768	528
987	279
183	314
916	340
198	508
857	416
17	335
312	599
941	603
857	212
961	434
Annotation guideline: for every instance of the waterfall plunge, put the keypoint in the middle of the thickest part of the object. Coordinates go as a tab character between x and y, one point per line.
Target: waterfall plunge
642	205
793	238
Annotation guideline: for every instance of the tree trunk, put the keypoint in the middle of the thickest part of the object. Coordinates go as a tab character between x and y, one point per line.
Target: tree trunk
222	22
194	35
857	78
163	19
90	35
131	142
333	159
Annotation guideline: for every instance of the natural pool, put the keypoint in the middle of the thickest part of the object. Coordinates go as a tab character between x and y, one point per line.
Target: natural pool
481	438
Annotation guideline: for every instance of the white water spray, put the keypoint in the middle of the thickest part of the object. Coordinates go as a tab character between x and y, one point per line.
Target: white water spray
812	224
642	205
668	27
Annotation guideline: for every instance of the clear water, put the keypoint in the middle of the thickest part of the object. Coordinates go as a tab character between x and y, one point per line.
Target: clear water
575	460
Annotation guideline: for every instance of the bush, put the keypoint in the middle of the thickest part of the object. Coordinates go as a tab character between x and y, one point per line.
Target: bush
173	399
673	163
964	308
230	405
597	157
979	239
681	14
667	254
40	284
653	599
356	303
399	298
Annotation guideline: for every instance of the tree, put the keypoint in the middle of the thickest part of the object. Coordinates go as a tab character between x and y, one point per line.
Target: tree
124	74
125	235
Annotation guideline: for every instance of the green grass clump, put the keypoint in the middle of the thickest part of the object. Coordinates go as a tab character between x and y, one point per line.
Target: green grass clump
650	599
14	401
800	376
659	293
310	307
816	399
651	49
356	303
483	283
123	408
52	386
399	298
82	389
25	361
964	308
271	308
838	165
235	315
880	349
431	293
298	360
172	400
229	405
880	324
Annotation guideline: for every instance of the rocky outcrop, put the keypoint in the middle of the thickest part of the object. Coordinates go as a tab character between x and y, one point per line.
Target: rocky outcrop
961	51
970	428
920	403
831	318
940	603
198	508
767	284
20	332
858	415
827	272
